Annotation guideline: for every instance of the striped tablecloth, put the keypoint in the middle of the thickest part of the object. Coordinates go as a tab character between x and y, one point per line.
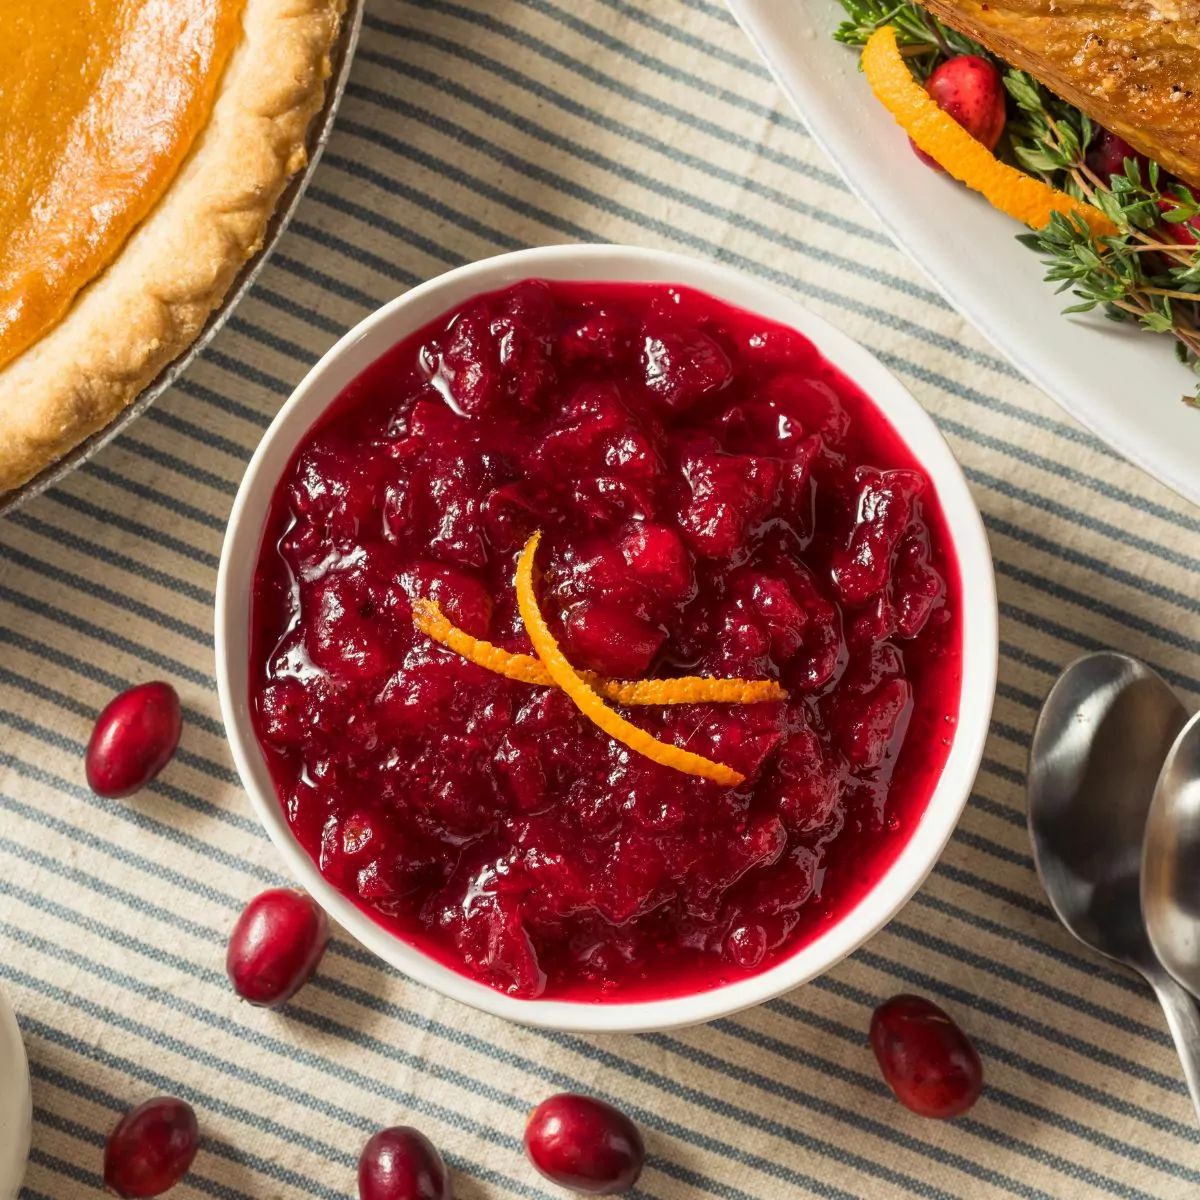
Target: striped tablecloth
471	127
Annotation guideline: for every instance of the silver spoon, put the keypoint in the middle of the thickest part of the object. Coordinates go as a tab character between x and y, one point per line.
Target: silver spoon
1101	738
1171	861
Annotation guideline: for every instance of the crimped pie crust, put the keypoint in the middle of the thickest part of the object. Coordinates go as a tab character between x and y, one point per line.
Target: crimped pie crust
153	300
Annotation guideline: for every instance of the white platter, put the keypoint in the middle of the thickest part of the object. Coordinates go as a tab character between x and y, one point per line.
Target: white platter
1122	384
15	1111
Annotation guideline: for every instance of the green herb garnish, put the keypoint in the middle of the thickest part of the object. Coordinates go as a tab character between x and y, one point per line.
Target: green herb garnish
923	40
1141	275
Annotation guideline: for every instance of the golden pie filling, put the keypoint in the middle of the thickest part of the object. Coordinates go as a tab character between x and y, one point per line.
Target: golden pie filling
102	100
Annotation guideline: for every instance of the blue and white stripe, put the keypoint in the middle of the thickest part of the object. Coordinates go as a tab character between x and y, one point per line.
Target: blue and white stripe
472	127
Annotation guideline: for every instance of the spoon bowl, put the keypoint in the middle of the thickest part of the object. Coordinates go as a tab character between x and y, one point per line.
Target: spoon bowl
1100	742
1170	857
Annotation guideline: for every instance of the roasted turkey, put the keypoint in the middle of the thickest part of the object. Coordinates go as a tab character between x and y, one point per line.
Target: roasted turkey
1132	65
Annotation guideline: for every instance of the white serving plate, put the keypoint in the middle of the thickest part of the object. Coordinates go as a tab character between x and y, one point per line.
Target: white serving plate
1121	383
15	1110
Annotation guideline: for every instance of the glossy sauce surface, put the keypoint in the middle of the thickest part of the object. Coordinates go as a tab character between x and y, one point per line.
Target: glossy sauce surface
715	498
102	102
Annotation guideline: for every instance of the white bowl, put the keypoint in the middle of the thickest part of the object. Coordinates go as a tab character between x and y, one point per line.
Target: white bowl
16	1109
366	342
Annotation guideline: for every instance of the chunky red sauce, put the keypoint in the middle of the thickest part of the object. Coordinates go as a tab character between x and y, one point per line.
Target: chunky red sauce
716	499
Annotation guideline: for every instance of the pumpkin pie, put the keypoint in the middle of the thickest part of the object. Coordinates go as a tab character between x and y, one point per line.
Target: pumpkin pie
144	146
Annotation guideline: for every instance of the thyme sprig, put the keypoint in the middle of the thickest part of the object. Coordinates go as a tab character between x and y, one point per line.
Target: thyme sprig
923	40
1141	275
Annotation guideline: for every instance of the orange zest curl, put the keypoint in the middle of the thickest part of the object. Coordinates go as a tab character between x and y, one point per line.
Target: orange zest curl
1013	192
586	699
688	689
524	668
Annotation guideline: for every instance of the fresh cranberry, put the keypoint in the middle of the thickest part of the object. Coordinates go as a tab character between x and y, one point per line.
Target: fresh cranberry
401	1163
275	946
151	1148
1108	153
971	90
926	1059
133	739
584	1144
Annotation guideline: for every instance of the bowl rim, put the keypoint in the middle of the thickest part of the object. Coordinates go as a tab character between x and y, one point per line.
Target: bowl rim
363	344
16	1104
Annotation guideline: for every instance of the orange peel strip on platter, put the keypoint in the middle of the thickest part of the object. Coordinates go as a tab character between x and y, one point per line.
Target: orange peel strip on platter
1013	192
587	700
524	668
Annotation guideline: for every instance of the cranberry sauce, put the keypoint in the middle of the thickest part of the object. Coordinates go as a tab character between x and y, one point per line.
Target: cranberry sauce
715	499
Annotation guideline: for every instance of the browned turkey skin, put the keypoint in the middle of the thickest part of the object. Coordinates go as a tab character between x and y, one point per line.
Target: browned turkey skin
1132	65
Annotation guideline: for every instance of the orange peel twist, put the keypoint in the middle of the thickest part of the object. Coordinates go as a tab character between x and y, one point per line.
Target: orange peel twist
524	668
1013	192
589	702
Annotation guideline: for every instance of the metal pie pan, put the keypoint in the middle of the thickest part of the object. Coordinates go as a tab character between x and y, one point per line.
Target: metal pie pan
341	57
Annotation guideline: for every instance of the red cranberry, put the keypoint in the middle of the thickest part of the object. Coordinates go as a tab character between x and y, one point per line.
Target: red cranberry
584	1144
133	739
151	1149
781	614
275	946
875	723
1186	233
659	560
731	494
926	1059
884	509
610	640
401	1163
971	90
462	597
682	365
1107	154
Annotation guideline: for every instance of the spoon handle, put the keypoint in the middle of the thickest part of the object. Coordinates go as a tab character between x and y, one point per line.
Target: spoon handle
1183	1018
